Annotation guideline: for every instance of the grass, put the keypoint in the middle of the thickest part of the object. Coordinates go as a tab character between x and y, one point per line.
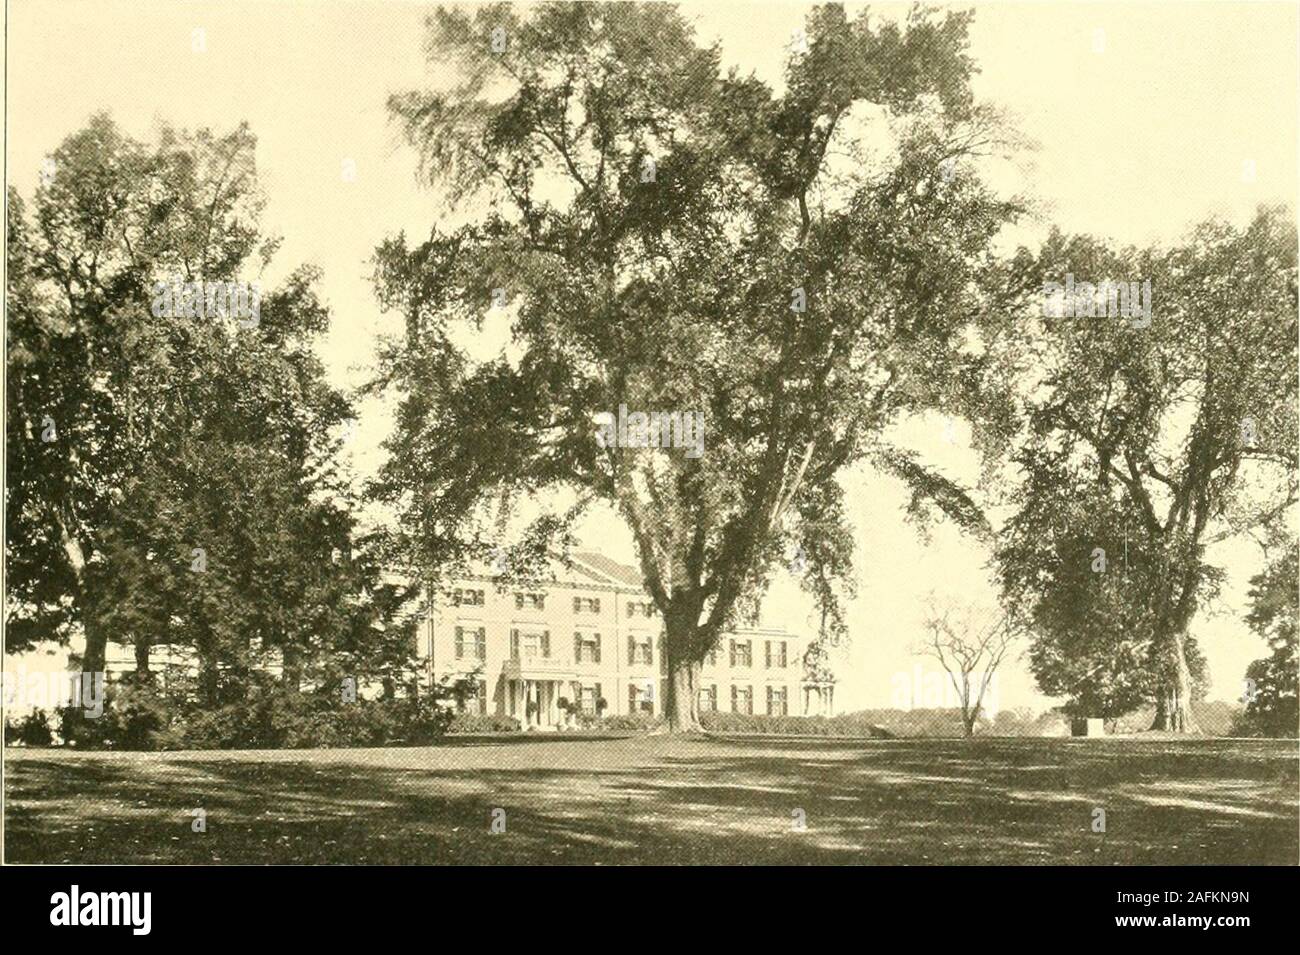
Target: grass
666	800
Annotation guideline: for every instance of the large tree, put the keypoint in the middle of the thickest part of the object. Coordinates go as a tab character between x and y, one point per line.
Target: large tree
94	378
1149	439
800	268
170	477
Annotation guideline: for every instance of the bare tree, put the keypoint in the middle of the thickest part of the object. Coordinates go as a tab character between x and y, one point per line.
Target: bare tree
970	643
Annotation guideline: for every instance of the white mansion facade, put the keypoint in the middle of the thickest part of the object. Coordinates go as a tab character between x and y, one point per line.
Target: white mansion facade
591	634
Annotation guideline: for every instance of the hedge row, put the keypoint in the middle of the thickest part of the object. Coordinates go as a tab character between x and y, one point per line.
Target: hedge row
790	726
142	718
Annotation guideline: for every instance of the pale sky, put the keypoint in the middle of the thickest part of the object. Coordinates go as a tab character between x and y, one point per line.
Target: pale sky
1147	118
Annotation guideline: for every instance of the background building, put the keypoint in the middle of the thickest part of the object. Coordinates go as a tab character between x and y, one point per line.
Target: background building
590	634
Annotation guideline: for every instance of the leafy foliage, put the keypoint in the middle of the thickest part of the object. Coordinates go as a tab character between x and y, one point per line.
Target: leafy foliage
1271	707
270	715
672	238
172	481
31	729
1144	444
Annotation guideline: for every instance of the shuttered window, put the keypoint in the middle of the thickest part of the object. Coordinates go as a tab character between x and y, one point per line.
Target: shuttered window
471	643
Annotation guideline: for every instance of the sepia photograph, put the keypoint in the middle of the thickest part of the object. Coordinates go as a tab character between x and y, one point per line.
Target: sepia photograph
651	434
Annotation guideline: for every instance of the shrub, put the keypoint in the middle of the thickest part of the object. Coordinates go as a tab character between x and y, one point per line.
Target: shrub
271	716
133	718
32	730
632	722
470	723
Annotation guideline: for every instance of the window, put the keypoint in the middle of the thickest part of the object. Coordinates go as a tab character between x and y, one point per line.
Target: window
640	649
533	601
586	605
530	644
586	648
742	700
740	653
774	654
713	656
708	699
467	598
639	608
471	643
640	698
776	701
589	698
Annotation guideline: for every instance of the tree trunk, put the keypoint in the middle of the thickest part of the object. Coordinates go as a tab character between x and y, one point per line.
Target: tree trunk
682	678
96	652
143	675
291	669
682	696
209	674
1174	697
93	659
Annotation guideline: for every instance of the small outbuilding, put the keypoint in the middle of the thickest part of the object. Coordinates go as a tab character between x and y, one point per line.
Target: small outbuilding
1086	726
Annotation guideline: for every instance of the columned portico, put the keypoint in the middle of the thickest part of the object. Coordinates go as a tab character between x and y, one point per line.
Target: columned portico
533	691
819	699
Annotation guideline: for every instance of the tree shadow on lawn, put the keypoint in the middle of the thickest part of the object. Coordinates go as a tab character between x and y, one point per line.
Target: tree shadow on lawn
666	801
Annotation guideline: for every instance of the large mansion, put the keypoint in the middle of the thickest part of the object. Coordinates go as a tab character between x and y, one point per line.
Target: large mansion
590	636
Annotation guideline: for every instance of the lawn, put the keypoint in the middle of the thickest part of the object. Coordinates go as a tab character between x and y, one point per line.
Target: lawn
665	800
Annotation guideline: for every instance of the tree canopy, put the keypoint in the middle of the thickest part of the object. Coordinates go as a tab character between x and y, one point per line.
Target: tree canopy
171	479
1146	443
667	237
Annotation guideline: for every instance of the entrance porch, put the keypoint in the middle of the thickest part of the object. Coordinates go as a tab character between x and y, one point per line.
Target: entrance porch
533	690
